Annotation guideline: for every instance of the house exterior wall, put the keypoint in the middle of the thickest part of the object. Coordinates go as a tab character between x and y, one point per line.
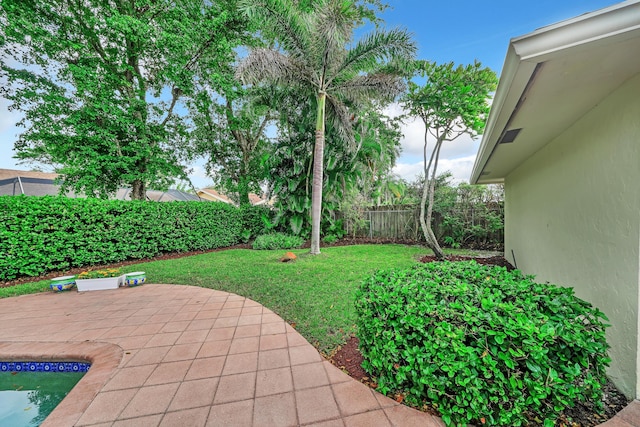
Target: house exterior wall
572	215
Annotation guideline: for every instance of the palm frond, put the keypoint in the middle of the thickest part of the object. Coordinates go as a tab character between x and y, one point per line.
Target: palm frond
334	21
273	66
394	46
285	20
378	86
342	120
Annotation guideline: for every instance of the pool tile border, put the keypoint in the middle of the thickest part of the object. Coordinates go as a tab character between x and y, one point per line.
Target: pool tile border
103	357
35	366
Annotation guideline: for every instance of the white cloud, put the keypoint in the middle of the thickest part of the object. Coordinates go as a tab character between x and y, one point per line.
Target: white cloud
460	168
456	156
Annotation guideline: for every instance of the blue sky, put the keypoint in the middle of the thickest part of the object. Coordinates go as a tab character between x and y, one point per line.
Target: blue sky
455	30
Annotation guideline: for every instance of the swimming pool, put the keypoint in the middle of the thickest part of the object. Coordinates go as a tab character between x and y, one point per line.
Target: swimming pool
30	391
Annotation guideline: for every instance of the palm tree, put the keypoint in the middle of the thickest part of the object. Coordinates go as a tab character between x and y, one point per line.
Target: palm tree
314	58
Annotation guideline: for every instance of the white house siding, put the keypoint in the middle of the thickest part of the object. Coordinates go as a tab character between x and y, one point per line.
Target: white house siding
573	218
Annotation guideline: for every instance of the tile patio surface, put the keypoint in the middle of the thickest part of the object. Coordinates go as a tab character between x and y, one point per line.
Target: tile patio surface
167	355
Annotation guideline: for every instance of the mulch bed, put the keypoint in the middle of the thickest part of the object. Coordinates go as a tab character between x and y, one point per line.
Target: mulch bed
349	359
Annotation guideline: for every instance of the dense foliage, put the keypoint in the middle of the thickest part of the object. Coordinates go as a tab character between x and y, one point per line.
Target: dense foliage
480	344
277	241
469	216
102	84
254	219
42	234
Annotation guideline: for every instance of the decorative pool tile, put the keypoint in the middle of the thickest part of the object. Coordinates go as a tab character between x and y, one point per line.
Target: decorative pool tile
44	366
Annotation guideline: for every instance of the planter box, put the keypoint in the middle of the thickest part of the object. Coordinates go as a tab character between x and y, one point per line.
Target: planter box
134	279
99	284
64	283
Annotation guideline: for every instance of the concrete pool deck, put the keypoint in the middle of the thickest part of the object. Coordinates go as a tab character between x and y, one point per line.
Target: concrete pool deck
168	355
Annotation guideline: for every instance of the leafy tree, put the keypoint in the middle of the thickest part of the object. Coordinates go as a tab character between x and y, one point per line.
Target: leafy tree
378	138
230	133
102	82
314	59
453	101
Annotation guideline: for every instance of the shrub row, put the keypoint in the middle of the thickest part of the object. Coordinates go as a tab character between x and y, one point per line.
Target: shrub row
480	344
42	234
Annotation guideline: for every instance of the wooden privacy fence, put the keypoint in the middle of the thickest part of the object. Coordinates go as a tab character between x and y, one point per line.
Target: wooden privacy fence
403	223
395	224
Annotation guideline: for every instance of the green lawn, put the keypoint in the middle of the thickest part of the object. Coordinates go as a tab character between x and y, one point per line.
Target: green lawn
316	293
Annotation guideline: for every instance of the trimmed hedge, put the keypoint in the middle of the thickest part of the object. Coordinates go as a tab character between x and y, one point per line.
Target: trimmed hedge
481	344
54	233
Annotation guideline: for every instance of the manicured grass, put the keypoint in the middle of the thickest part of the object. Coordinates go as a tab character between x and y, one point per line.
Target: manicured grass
315	293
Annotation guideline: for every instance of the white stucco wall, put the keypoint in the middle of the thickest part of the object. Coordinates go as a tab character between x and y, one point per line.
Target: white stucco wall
573	219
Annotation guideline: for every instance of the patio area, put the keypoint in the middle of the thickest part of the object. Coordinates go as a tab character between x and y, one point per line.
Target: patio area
167	355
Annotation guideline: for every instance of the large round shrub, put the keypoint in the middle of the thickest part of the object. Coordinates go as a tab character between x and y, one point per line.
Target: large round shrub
481	344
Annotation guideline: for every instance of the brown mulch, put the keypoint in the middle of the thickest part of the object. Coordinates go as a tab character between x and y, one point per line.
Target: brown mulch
489	260
349	359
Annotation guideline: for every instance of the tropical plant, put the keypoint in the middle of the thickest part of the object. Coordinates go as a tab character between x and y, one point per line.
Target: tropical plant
314	59
101	84
453	101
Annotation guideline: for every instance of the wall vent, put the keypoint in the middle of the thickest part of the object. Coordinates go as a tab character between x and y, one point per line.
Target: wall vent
509	136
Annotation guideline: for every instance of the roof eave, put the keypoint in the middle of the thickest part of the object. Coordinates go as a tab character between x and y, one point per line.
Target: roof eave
526	52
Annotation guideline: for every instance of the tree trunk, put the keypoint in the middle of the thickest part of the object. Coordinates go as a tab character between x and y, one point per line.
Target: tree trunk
432	241
428	192
435	247
138	191
316	187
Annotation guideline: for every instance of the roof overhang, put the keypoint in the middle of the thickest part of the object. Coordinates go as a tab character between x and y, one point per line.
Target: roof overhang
552	77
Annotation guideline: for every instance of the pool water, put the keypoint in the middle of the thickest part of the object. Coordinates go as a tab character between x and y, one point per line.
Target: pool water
27	398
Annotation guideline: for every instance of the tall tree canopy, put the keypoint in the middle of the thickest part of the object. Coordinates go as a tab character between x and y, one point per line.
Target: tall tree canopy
101	83
453	101
230	133
314	57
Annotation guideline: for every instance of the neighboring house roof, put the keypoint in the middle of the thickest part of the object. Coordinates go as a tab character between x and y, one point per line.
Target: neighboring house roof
161	196
214	195
13	173
256	200
16	182
552	77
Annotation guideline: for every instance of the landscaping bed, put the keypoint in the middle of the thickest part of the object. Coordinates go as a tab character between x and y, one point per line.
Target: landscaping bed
349	359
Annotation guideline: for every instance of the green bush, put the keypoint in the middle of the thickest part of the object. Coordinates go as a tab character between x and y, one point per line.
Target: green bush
331	238
277	241
42	234
480	344
254	219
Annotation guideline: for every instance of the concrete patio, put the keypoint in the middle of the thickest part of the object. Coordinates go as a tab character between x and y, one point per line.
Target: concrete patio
167	355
